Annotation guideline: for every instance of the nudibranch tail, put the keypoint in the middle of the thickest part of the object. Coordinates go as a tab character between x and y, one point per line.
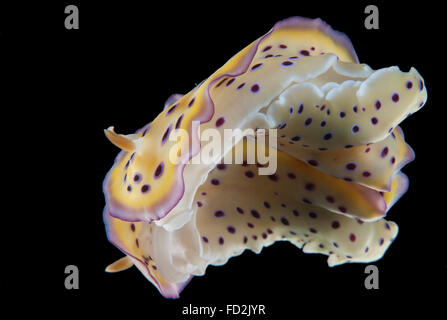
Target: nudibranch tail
339	151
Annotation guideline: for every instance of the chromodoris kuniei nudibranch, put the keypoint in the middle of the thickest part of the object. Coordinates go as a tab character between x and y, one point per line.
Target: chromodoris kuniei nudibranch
339	152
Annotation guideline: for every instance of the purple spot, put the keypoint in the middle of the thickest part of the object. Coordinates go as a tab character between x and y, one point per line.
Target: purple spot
313	215
342	114
327	136
256	66
179	122
335	244
355	128
165	136
255	213
291	175
231	229
205	239
285	221
304	52
330	199
387	226
295	212
308	121
287	63
220	122
294	57
366	174
219	214
291	110
220	82
255	237
266	204
313	162
355	108
169	111
250	225
282	46
374	120
395	97
273	177
409	85
249	174
300	108
268	56
240	210
221	166
267	48
335	224
351	166
378	104
305	200
269	231
342	209
393	160
313	230
241	86
132	227
323	123
255	88
215	182
145	188
309	186
384	152
199	204
296	138
421	85
137	178
159	171
191	102
221	241
245	239
352	237
230	82
144	132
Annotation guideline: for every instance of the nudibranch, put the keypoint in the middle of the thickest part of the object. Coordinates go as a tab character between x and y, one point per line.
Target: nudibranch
339	152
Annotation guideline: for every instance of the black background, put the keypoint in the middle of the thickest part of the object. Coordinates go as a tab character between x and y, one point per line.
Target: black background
118	69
